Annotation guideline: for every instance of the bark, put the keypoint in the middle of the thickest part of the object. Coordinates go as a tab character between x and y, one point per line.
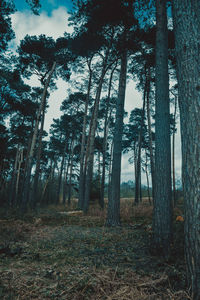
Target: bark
49	178
39	152
138	161
113	213
26	191
147	177
110	165
67	170
162	217
70	173
173	154
65	183
20	160
61	172
105	139
150	140
83	142
187	36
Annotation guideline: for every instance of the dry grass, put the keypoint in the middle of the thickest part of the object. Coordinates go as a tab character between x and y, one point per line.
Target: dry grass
75	257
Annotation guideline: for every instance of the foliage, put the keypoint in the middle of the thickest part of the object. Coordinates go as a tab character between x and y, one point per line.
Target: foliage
6	32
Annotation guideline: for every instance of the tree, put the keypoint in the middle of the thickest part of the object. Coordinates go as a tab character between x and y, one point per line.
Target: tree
107	116
7	8
26	193
187	36
6	32
135	140
162	216
40	56
113	213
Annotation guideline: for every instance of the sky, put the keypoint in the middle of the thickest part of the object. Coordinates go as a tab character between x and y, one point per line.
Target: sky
53	21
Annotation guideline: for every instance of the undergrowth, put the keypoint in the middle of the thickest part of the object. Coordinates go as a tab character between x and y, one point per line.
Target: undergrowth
52	255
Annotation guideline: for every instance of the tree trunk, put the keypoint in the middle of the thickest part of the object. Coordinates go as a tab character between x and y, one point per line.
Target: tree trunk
61	172
20	160
66	170
113	213
147	177
162	217
91	139
150	141
110	165
105	138
26	188
173	154
39	152
70	172
83	142
138	162
187	36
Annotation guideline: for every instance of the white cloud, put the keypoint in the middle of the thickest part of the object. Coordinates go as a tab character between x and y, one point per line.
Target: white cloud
54	25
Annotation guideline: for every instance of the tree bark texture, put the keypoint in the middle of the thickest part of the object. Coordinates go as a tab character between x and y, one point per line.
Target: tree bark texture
83	142
39	152
186	16
150	140
113	213
61	171
105	138
173	154
138	159
70	172
162	217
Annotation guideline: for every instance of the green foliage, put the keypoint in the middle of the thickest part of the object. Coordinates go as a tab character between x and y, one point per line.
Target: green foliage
6	32
35	6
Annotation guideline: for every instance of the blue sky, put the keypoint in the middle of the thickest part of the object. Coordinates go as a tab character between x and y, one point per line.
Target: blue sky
46	5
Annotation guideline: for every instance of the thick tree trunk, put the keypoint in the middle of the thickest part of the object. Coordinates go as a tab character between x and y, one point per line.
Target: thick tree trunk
187	40
113	213
83	142
26	189
162	217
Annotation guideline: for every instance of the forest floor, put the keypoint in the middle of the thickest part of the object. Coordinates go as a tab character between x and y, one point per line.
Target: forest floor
52	255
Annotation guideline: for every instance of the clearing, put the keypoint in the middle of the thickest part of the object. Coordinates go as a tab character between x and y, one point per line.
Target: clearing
53	255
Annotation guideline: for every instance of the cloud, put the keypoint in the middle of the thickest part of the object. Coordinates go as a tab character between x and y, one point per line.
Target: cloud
52	25
55	24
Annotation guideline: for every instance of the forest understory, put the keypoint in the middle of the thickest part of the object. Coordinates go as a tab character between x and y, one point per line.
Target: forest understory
53	255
